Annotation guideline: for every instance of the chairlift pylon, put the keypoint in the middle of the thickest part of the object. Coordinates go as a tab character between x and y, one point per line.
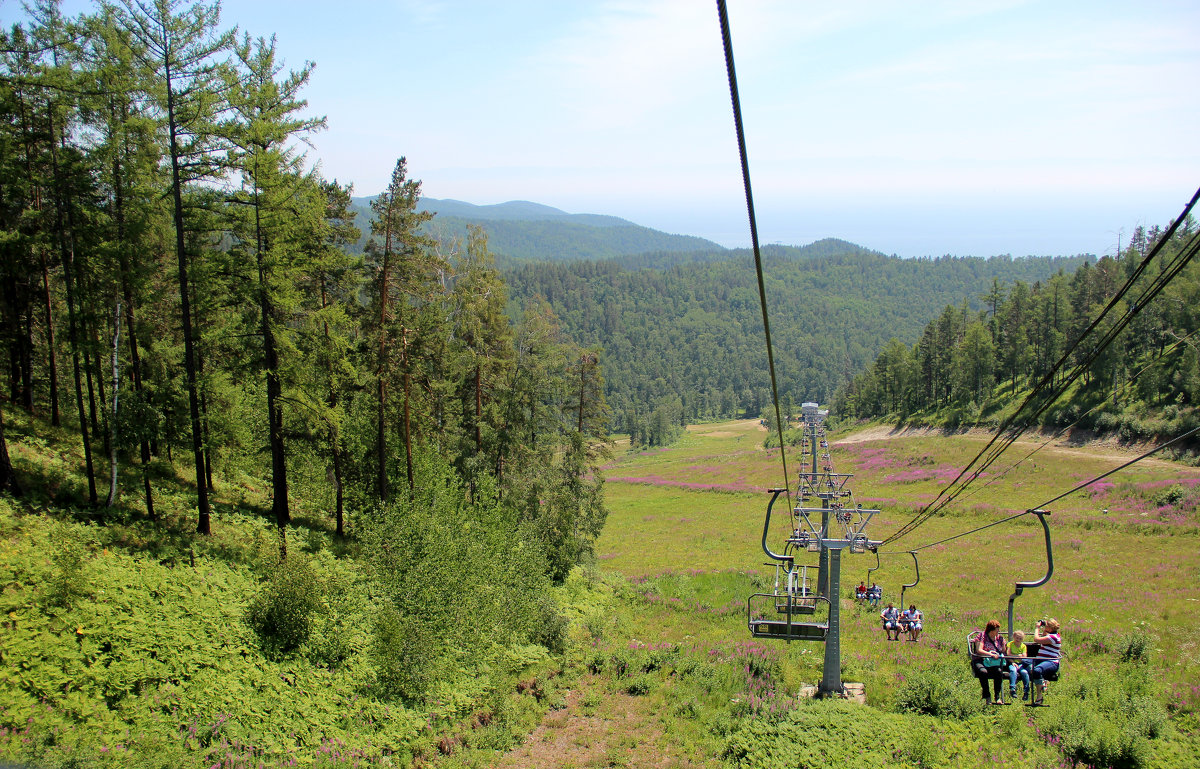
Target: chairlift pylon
1022	586
915	582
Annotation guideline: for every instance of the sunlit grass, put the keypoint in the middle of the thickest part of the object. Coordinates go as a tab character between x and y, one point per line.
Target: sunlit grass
1119	558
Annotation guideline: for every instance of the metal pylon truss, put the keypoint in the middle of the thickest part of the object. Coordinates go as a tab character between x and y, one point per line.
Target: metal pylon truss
846	525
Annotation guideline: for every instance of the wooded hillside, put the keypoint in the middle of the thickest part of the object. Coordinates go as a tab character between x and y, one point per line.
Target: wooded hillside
685	342
971	363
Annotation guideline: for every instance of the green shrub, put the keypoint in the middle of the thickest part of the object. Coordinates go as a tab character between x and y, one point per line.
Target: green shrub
620	663
946	690
551	629
465	564
659	658
1170	496
69	578
823	733
639	685
596	661
282	612
1087	736
406	655
1134	646
920	750
1146	716
758	660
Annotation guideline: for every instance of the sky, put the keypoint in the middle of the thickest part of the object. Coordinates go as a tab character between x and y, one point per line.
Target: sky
919	129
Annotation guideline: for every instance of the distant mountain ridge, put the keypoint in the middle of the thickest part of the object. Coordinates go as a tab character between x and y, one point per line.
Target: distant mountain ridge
516	210
521	231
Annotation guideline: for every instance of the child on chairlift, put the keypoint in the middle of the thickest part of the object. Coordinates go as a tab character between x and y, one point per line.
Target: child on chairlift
1018	668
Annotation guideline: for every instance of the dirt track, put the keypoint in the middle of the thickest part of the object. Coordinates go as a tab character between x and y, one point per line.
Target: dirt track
619	730
1103	449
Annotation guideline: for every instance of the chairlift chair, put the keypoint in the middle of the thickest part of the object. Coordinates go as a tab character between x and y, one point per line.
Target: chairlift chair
794	594
786	627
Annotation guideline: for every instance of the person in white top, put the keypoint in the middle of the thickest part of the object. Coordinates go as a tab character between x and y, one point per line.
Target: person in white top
914	622
1048	657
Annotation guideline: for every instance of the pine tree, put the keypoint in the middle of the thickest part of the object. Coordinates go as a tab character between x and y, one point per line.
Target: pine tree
403	266
177	50
264	126
484	338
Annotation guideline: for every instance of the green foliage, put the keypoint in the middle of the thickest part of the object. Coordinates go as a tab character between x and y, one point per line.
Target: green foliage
968	366
1106	719
69	578
282	612
550	627
1170	496
639	685
1087	736
163	669
693	331
823	733
945	690
567	237
1134	646
406	654
460	576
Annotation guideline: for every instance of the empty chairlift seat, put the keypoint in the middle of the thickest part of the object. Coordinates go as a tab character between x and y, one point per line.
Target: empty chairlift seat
766	621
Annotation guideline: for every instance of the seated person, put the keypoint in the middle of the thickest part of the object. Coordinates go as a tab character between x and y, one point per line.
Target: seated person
1048	656
1019	665
987	660
914	622
860	592
874	594
891	622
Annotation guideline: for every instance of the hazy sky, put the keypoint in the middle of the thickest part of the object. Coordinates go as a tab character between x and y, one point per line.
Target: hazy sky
914	128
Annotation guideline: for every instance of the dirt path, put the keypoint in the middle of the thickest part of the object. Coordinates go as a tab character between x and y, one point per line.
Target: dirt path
599	728
1108	450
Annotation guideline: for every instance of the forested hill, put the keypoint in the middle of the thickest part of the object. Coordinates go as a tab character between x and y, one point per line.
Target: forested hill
524	231
686	342
974	367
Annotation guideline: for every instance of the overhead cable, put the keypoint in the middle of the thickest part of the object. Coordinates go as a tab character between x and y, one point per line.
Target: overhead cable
988	453
727	40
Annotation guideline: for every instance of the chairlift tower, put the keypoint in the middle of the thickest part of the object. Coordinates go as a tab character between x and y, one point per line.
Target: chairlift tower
842	526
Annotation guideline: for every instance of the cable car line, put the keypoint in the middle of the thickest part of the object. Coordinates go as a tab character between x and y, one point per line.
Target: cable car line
1159	282
1180	342
963	534
1007	430
1154	450
1040	507
727	41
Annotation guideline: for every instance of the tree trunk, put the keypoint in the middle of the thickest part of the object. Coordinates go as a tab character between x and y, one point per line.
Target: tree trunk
8	479
478	412
334	449
51	362
381	437
203	525
67	254
135	364
26	345
204	428
112	419
407	421
98	417
279	485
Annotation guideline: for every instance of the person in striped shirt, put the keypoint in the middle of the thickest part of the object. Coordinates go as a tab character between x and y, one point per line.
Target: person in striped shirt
1048	657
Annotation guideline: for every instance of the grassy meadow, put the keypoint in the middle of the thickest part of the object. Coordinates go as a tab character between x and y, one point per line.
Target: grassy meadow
685	527
129	643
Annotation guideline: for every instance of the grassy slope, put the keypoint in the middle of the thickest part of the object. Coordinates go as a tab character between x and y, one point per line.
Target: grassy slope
662	671
126	644
693	556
